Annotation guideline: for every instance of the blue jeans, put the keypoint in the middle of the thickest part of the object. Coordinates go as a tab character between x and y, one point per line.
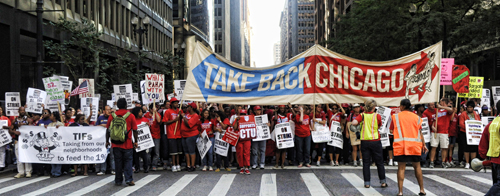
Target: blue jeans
424	155
372	150
123	164
189	145
56	169
210	154
258	147
495	189
303	149
155	152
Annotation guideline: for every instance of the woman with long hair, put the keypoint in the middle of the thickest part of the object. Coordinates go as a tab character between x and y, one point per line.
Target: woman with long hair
137	112
207	126
222	124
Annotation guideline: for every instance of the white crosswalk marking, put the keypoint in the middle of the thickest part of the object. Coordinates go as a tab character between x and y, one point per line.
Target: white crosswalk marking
21	184
93	187
479	179
6	179
138	185
414	188
357	182
268	185
313	184
55	185
223	185
459	187
179	185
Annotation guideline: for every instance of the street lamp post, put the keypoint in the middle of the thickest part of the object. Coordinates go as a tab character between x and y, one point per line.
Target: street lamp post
179	51
413	11
39	43
142	29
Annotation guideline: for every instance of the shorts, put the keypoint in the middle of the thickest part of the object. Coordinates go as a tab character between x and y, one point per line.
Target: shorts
333	149
354	141
408	158
175	146
441	139
189	145
453	140
390	147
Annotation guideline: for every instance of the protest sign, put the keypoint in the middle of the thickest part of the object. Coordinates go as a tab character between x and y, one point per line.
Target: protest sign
485	100
67	86
247	127
473	131
124	91
446	67
385	113
263	132
55	93
231	136
204	144
90	82
336	139
426	131
179	87
315	76
5	137
475	88
85	107
321	133
34	100
135	97
144	138
110	103
495	90
284	136
221	147
145	100
155	86
12	103
460	79
63	145
485	120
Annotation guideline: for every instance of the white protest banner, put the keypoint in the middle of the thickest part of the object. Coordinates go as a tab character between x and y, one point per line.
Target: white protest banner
473	131
485	100
90	82
179	86
124	91
426	131
155	86
263	132
145	99
485	120
63	145
110	103
135	96
12	103
55	93
34	99
321	133
385	113
336	139
5	137
221	147
284	136
496	94
204	144
145	140
67	86
85	107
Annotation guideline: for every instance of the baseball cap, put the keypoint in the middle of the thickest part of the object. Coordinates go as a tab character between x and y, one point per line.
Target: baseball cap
256	107
174	100
193	105
281	106
243	111
355	105
485	107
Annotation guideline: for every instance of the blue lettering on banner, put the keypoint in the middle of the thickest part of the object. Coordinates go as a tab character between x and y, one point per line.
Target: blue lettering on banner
216	78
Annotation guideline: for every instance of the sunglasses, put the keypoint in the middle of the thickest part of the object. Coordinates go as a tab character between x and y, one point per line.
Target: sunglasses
45	113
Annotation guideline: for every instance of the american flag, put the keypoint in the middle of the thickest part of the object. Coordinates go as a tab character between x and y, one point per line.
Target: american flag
83	88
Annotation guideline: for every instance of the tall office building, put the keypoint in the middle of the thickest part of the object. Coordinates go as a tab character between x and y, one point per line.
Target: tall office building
326	16
239	32
297	27
277	53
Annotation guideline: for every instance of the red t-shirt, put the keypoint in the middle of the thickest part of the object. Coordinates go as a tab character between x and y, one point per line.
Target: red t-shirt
453	126
169	115
359	118
431	116
194	123
131	125
444	118
71	121
336	117
302	128
7	119
154	126
219	126
206	126
141	120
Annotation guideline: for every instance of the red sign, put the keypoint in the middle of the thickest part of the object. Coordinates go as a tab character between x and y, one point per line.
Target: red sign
248	128
231	136
460	79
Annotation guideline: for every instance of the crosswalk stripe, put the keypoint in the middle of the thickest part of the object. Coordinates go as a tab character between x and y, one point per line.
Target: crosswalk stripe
6	179
138	185
93	187
414	188
21	184
179	185
223	185
479	179
313	184
55	186
459	187
357	182
268	185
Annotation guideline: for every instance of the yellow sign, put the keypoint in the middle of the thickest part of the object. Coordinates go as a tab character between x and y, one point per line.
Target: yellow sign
475	88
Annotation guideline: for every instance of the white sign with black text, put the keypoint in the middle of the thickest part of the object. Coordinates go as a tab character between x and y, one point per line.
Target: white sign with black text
385	113
473	131
5	137
336	135
145	140
12	103
284	136
221	147
426	131
85	107
204	144
124	91
34	100
263	132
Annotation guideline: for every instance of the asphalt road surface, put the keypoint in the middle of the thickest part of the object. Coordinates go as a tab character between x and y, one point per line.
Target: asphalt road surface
324	180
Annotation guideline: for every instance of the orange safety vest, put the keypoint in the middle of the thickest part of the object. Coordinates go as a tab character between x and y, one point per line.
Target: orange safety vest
407	138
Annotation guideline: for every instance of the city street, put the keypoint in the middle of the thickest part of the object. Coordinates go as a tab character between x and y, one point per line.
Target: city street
324	180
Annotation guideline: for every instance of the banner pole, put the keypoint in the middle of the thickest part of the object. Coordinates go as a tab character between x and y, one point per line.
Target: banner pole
180	106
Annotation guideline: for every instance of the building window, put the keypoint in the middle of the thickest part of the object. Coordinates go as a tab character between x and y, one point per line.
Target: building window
220	23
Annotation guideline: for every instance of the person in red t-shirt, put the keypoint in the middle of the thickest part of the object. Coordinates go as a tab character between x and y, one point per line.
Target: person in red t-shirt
440	129
452	134
318	119
355	142
484	147
172	119
336	114
222	124
137	112
2	149
207	126
303	136
280	116
123	153
469	150
243	147
258	146
190	132
154	119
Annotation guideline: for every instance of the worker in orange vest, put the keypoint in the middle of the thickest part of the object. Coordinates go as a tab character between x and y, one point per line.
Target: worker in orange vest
408	143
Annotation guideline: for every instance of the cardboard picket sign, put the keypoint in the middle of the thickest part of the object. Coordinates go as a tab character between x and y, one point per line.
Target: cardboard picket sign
231	136
460	75
247	127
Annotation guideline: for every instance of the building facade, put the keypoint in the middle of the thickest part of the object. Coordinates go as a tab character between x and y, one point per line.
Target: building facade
297	27
277	53
326	15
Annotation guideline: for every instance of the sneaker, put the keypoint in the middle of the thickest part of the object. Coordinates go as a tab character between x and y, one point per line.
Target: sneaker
317	163
131	183
28	174
178	168
247	172
154	168
254	166
448	164
242	171
390	163
360	162
19	175
467	166
276	166
337	163
431	165
217	170
331	163
204	168
174	168
355	163
113	172
210	168
395	163
462	164
444	165
262	166
452	164
227	169
100	173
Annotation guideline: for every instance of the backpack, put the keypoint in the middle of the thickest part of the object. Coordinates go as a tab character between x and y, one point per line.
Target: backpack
118	129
